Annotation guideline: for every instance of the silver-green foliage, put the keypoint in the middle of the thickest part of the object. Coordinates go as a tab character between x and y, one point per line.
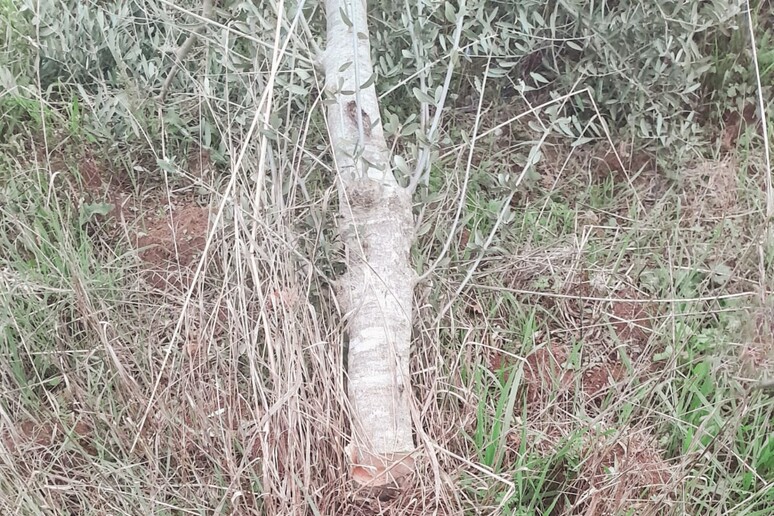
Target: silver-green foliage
645	61
116	54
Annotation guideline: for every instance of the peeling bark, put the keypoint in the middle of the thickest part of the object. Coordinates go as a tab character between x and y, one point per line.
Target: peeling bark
377	230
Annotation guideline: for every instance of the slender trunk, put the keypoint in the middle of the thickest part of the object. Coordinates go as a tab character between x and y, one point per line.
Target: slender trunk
377	229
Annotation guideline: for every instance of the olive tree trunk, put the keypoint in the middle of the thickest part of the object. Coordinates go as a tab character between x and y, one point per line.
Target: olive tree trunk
377	230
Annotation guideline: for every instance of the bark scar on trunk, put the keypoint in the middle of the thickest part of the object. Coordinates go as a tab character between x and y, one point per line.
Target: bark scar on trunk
364	193
352	115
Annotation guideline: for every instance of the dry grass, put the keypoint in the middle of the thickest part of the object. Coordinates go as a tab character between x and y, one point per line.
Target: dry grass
589	332
200	366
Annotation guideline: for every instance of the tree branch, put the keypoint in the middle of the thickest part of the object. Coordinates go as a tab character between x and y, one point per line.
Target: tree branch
184	49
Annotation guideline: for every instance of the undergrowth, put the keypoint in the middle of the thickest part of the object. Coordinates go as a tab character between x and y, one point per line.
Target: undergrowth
593	330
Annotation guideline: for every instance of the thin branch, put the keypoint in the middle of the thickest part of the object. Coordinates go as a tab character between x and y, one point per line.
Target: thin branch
185	49
422	169
764	124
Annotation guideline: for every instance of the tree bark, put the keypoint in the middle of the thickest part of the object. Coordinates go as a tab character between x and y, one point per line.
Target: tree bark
376	293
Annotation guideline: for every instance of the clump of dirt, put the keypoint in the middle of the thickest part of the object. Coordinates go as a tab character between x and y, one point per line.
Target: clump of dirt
636	170
612	328
171	244
596	346
605	469
600	319
29	436
710	189
169	232
545	371
622	162
757	353
735	123
94	188
630	319
52	453
625	473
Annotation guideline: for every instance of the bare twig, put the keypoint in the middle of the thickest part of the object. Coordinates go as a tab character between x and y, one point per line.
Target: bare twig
767	173
422	170
184	49
764	125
